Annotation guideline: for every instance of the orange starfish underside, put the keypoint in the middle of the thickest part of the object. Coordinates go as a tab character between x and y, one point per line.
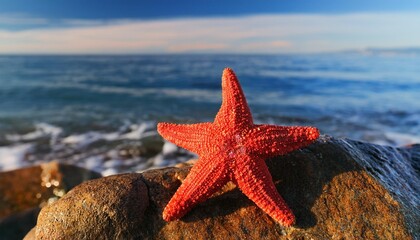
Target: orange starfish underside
233	148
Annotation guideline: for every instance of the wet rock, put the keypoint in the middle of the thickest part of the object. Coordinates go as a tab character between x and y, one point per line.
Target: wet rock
332	196
107	208
397	169
24	191
188	163
326	185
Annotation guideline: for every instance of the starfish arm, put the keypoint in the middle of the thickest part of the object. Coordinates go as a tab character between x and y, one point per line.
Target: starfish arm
234	110
269	140
256	183
205	178
193	137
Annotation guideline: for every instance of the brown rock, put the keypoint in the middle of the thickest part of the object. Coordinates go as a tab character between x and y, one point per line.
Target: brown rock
188	163
23	191
106	208
30	235
332	196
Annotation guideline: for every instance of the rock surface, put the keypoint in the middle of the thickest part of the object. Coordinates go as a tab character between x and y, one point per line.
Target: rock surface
331	194
108	208
23	191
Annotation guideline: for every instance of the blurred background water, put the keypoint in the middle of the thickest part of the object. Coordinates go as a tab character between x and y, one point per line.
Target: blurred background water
90	109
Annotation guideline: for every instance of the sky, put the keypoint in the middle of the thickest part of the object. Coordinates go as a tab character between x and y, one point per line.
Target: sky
207	26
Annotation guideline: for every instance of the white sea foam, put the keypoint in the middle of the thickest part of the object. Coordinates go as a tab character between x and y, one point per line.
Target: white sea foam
159	160
136	132
82	140
114	163
78	149
105	158
94	163
109	172
41	130
12	157
169	148
402	139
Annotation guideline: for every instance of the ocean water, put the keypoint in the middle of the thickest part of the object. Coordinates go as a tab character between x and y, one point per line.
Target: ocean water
101	112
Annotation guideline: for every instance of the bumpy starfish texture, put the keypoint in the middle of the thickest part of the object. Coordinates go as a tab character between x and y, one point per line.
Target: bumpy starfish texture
233	148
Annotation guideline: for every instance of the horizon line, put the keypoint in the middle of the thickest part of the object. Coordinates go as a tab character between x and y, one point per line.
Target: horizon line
415	49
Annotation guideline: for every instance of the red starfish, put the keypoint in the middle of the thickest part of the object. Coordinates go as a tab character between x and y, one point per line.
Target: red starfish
233	148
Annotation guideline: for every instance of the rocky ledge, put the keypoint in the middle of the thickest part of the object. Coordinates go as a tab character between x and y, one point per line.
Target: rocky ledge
24	191
338	189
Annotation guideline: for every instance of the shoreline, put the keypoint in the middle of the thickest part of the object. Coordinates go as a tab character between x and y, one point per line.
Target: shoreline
134	147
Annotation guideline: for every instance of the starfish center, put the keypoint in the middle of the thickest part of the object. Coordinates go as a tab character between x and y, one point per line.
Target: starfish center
234	146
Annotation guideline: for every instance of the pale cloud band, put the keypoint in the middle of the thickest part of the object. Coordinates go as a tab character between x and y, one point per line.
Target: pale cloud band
246	34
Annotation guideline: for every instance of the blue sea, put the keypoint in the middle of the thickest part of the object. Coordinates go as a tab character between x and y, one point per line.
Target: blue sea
101	111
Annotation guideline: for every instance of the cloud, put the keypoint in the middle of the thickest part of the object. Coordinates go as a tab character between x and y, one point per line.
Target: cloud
191	47
21	19
279	33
